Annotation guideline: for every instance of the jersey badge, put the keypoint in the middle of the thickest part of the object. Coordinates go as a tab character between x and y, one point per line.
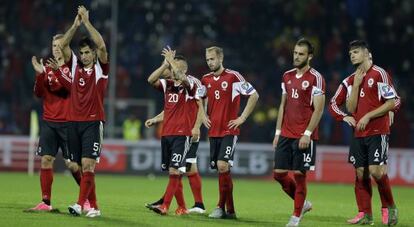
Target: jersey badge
370	82
224	85
305	84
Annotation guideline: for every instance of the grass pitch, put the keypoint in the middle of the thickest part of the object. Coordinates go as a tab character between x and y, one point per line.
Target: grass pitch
122	199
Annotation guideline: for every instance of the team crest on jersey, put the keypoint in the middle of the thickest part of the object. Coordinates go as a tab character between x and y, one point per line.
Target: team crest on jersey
305	84
370	82
224	85
209	85
289	82
66	70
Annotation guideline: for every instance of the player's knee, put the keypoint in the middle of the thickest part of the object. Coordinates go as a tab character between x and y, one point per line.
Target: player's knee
88	165
376	172
72	166
173	171
191	168
47	161
279	176
222	167
360	172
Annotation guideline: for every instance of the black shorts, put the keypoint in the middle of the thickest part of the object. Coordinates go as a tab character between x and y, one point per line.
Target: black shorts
370	150
85	140
288	156
174	151
53	135
192	153
222	148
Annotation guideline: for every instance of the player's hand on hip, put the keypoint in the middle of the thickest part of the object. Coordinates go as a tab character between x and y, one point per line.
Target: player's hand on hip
275	140
391	116
362	123
304	142
195	134
234	124
350	121
38	66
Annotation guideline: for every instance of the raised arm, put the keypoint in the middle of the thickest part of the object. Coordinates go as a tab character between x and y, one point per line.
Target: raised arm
95	35
154	78
67	38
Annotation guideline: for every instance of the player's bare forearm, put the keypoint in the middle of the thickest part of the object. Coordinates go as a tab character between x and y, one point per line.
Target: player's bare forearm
351	103
251	103
318	105
382	110
67	38
153	79
281	112
98	40
200	114
159	117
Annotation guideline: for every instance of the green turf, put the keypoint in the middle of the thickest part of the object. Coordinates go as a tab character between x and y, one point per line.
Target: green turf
122	199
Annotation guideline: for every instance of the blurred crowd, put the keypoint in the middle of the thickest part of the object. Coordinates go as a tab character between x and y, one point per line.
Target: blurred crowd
257	37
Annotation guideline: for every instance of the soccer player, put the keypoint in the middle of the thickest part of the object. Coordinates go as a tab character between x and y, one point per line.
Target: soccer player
303	90
179	121
191	158
54	127
341	94
86	111
223	88
371	98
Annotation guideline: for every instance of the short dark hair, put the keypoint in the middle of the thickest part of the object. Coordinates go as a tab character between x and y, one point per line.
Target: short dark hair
180	57
86	41
358	44
306	42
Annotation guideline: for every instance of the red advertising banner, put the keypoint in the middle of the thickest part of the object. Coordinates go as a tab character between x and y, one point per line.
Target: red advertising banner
113	159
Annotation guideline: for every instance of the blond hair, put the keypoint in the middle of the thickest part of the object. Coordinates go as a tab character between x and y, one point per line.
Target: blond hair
218	50
57	36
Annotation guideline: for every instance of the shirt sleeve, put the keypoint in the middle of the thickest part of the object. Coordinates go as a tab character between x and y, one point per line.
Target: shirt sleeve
39	86
385	87
243	88
338	100
64	76
318	87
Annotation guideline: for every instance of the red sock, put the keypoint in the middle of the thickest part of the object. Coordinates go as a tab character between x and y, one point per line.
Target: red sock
77	176
229	196
92	197
365	190
87	184
383	200
358	196
195	184
46	180
300	193
384	188
179	195
223	188
287	183
171	189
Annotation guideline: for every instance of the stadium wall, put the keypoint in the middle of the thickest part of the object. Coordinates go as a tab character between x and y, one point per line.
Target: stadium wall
250	160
